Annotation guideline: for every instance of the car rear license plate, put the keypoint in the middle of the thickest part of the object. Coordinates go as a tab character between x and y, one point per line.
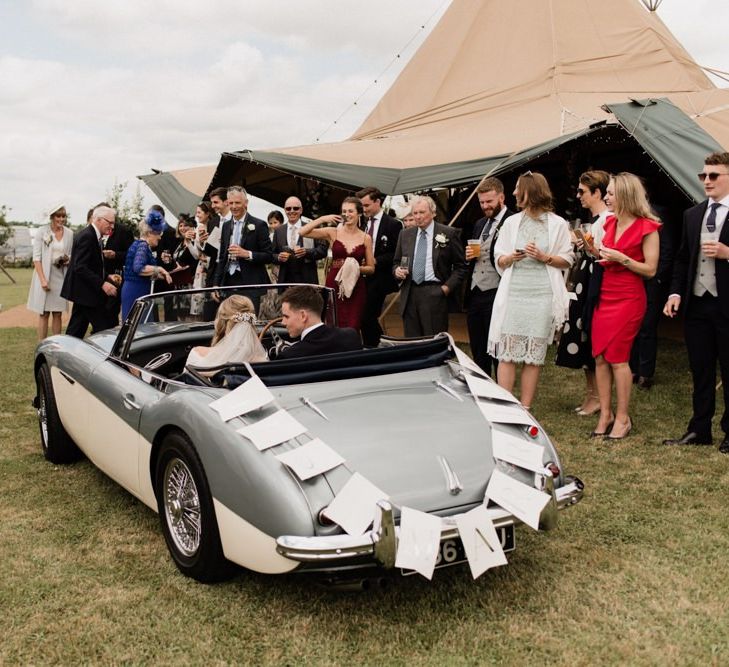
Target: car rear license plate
451	551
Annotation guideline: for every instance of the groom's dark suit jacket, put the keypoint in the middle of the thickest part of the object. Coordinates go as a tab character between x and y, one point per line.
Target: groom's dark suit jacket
323	340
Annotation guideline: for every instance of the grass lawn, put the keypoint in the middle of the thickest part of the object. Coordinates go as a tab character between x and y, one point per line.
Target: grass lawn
634	574
13	294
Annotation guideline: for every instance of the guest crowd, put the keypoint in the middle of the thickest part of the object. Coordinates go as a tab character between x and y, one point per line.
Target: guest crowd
527	278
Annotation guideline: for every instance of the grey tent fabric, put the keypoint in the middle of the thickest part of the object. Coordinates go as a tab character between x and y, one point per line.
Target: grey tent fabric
670	137
175	198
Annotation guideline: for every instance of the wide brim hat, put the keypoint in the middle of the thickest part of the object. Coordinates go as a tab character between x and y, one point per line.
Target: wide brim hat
47	213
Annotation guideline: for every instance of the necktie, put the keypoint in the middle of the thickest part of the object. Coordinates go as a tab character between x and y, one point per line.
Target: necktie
487	229
292	236
233	262
711	220
371	229
420	256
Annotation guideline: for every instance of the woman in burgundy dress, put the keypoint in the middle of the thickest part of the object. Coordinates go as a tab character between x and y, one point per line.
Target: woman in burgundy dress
629	254
347	241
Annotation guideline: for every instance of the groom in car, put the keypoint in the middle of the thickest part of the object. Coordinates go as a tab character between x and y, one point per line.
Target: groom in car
301	308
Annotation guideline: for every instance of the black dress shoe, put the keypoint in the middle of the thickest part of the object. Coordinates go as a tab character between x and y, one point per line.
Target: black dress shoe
644	382
724	446
690	438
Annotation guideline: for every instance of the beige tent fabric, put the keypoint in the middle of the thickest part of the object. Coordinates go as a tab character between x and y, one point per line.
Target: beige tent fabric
195	179
497	76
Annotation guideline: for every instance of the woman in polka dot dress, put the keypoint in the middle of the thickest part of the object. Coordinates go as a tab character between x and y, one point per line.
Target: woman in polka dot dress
574	349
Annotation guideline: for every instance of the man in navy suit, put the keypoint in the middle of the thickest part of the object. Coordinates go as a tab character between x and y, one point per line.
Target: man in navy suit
701	286
296	256
245	247
301	308
483	278
85	283
385	232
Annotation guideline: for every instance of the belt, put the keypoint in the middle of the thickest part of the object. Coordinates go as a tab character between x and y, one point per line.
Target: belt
426	283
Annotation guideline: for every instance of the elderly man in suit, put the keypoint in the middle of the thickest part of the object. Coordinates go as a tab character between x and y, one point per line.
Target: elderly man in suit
116	245
296	256
86	282
701	285
301	308
483	277
245	247
436	269
384	231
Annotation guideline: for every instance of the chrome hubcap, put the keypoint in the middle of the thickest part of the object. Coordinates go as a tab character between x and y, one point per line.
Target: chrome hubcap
181	506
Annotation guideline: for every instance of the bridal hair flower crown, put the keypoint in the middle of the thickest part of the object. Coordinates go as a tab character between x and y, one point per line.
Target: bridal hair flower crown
245	317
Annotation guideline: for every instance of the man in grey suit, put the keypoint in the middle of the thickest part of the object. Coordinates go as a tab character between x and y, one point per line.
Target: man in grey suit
296	256
436	268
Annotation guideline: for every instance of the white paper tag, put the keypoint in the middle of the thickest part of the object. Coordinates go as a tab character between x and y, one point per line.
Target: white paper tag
505	413
480	541
524	502
310	459
485	389
354	506
273	430
522	453
251	395
467	362
418	541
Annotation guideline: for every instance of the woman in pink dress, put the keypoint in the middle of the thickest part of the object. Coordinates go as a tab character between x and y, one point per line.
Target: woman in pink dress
629	255
347	241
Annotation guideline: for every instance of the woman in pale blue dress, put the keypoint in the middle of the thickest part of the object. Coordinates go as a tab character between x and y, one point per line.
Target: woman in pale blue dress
532	301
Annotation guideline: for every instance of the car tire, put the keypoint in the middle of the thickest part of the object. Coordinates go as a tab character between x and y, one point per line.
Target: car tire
186	512
57	444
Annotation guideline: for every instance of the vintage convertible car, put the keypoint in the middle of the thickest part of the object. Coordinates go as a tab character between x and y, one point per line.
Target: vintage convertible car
405	417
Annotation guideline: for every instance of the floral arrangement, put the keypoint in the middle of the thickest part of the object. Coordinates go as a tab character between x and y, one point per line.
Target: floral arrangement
441	240
250	318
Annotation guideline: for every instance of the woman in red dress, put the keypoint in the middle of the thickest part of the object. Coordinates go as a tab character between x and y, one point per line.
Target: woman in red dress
629	254
347	240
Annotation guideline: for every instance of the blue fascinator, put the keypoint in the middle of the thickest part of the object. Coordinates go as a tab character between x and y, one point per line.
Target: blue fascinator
155	221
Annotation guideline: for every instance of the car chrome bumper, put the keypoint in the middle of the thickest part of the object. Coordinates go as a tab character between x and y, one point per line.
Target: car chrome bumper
380	543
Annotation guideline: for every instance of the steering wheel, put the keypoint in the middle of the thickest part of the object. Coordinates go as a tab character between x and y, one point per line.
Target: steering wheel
274	335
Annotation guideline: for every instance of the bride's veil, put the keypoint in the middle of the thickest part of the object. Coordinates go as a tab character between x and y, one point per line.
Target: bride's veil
239	345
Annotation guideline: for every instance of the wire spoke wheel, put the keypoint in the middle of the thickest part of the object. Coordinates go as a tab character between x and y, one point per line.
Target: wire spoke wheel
182	506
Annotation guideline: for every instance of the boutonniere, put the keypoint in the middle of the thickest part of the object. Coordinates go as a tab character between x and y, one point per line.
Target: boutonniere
383	239
441	240
250	227
47	239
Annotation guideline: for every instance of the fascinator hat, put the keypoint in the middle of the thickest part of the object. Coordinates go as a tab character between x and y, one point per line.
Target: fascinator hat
48	213
155	221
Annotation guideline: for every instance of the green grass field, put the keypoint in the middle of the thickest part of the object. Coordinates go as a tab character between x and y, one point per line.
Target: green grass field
634	574
13	294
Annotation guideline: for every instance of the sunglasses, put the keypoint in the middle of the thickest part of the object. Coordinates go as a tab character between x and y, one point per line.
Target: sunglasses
580	192
292	208
712	176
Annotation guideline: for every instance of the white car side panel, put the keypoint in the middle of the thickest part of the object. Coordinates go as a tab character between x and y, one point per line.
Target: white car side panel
71	404
246	545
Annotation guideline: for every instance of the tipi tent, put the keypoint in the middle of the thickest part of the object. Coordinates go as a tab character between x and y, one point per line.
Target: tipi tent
494	85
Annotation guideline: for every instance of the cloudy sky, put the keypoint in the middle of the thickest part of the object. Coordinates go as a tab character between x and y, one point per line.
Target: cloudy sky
92	92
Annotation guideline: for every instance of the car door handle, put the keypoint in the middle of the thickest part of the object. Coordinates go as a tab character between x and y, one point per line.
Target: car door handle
129	403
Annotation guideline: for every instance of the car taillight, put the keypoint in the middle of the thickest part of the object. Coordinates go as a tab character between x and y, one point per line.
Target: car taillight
553	468
532	431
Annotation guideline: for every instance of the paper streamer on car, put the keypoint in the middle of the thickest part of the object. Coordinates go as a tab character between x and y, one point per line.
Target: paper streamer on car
272	430
313	458
418	541
524	502
505	413
482	388
251	395
480	540
518	451
354	506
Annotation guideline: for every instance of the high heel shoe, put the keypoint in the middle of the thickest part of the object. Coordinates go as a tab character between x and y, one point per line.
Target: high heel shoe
588	413
610	436
602	434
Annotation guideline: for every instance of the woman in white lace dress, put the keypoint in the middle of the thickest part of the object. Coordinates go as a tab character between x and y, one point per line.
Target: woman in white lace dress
235	340
532	301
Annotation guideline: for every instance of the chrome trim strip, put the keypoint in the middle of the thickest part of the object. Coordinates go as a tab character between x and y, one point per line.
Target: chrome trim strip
443	387
310	404
452	482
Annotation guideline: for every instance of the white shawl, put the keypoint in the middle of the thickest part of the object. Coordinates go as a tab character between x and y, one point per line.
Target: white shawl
559	246
347	277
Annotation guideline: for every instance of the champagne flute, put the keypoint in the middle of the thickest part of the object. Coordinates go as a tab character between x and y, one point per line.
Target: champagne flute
405	264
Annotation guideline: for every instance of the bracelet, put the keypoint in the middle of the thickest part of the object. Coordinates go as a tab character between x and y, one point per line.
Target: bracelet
549	259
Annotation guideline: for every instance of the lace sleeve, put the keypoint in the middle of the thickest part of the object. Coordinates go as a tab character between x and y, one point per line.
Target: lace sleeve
142	257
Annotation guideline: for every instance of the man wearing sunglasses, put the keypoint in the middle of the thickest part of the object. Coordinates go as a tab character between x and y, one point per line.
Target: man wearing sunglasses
296	256
701	285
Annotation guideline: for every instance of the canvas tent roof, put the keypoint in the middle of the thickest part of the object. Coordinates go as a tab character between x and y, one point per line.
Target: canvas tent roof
497	81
